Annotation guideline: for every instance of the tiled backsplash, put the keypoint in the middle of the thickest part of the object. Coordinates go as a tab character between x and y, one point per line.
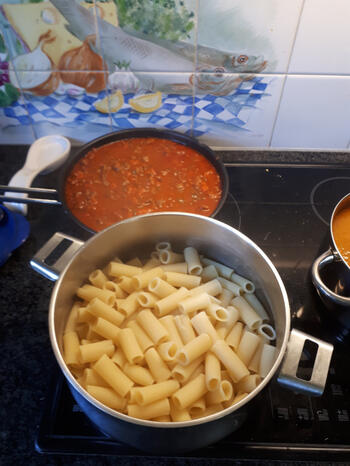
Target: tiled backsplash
252	74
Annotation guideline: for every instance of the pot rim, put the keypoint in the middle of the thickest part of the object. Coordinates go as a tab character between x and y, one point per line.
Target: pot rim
159	133
334	245
157	424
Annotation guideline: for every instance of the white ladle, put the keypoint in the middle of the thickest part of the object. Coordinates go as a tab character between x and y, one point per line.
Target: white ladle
44	155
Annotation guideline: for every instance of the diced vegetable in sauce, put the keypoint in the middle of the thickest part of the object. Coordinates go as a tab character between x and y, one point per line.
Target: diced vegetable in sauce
138	176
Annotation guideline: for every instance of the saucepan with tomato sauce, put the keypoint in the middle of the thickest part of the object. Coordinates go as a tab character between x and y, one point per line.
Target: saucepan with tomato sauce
139	171
331	270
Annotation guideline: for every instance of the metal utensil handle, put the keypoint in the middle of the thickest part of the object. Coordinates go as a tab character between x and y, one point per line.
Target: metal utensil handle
326	258
29	200
52	272
288	373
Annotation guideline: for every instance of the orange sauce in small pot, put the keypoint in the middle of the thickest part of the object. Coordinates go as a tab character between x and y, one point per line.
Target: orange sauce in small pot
139	176
341	232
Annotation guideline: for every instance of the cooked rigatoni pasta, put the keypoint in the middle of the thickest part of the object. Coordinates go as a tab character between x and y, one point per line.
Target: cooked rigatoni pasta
105	329
113	286
224	327
192	260
236	289
167	256
90	377
160	288
141	336
169	338
161	245
169	323
183	373
151	325
247	313
170	303
98	278
159	370
89	292
256	305
93	351
130	346
135	261
209	273
72	319
222	269
212	371
267	331
182	279
246	285
234	336
71	348
138	374
141	280
107	396
185	328
117	269
180	267
193	349
213	288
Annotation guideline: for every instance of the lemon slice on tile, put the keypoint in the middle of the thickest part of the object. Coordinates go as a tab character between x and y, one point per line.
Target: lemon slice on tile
116	101
146	103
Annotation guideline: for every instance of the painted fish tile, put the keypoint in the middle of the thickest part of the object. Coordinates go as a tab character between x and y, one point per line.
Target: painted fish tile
149	36
240	36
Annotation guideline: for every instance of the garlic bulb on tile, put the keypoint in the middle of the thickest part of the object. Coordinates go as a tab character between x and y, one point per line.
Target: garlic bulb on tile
126	81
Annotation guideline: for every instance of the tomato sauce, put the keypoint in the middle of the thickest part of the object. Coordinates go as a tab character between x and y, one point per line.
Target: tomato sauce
341	233
138	176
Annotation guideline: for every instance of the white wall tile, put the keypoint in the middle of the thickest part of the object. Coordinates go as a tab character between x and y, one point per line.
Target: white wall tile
314	113
257	28
323	40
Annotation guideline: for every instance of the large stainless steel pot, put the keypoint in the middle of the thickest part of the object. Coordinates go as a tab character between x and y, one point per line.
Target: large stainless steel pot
137	236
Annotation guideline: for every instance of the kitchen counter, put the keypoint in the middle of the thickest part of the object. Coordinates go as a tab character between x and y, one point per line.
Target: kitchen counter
27	361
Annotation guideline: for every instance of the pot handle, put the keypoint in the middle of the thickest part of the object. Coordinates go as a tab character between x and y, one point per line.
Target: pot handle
53	271
288	373
326	258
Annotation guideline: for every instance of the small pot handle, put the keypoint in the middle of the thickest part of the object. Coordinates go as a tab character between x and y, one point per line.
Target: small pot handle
288	373
53	271
326	258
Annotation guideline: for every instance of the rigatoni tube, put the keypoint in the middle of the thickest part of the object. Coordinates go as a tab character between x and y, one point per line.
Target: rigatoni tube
193	349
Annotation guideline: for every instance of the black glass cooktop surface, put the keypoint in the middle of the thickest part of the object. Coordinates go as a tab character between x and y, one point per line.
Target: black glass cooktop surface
285	209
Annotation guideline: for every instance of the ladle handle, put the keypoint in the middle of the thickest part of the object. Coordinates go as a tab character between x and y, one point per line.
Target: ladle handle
324	259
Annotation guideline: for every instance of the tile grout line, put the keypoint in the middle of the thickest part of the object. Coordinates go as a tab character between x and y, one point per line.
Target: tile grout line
323	75
195	66
105	71
32	127
295	35
285	76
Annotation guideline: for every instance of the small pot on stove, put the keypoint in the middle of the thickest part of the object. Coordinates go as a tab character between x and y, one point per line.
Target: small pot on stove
331	273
